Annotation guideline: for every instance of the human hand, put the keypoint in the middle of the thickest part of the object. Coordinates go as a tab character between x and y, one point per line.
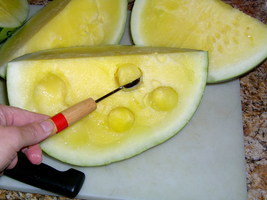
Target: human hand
21	130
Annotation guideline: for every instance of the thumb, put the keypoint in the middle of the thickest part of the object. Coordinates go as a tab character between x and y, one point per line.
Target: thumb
34	133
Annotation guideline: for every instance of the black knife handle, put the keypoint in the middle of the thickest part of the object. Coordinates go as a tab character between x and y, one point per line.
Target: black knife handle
67	183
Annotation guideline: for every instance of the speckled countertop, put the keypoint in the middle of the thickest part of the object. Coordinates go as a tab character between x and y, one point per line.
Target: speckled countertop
254	106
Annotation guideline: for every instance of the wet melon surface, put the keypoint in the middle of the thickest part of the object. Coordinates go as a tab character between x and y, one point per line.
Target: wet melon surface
126	123
236	42
67	23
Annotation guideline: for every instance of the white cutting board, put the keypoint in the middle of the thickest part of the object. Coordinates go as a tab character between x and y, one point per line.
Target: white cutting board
205	161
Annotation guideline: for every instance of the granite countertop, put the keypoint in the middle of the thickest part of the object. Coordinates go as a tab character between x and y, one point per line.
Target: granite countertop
254	106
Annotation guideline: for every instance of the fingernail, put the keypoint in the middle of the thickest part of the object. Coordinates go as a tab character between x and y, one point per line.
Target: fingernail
47	126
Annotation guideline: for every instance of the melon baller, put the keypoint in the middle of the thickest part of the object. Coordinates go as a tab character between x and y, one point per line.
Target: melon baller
67	183
76	112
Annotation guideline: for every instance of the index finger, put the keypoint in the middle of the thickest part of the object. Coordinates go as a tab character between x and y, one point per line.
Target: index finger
12	116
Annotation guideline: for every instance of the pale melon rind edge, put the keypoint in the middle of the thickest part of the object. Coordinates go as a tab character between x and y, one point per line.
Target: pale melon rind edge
244	67
151	145
104	48
11	95
123	22
20	18
171	135
3	66
15	96
3	71
27	7
134	22
213	77
117	37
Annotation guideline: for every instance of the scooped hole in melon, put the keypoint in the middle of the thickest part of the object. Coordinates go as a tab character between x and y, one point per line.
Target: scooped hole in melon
127	73
163	98
50	90
124	124
121	119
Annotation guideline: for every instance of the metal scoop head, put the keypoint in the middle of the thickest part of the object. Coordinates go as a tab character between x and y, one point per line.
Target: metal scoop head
127	86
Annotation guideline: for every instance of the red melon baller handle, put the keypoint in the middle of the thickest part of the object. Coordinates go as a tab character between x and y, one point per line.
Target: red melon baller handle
72	114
